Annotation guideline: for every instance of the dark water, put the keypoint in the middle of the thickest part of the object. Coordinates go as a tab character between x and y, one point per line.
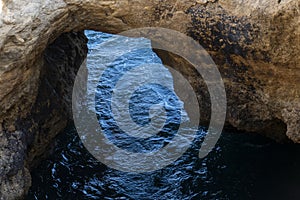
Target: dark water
241	166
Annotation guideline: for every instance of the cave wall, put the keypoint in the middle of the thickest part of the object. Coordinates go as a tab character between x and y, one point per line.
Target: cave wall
255	44
23	144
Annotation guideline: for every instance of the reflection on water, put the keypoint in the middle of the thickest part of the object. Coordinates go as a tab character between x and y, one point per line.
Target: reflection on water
241	166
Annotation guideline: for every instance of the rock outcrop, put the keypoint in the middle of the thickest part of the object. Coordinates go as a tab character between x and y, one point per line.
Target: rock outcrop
254	43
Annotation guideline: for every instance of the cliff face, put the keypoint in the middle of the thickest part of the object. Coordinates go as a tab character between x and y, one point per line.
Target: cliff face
255	45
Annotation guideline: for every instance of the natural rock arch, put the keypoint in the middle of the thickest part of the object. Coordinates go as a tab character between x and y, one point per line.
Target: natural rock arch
254	45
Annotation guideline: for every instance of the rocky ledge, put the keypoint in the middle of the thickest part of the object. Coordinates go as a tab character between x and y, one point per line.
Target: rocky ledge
255	45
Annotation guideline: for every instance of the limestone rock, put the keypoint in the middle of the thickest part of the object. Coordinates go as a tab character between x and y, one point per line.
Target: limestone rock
254	43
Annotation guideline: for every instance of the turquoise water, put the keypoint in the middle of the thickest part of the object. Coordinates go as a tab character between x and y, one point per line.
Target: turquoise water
241	166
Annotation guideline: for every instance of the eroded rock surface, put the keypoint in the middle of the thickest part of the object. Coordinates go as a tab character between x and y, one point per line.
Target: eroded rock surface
27	138
254	43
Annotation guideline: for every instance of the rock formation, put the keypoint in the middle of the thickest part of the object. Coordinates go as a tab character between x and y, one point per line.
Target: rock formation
254	43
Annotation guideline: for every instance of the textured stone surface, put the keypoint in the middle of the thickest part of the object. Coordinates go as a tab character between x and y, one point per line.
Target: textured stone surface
254	43
24	141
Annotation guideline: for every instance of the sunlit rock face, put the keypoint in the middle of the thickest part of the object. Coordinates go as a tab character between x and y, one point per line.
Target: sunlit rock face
255	45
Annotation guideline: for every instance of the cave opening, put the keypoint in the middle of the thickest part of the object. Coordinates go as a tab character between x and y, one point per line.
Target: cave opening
42	46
